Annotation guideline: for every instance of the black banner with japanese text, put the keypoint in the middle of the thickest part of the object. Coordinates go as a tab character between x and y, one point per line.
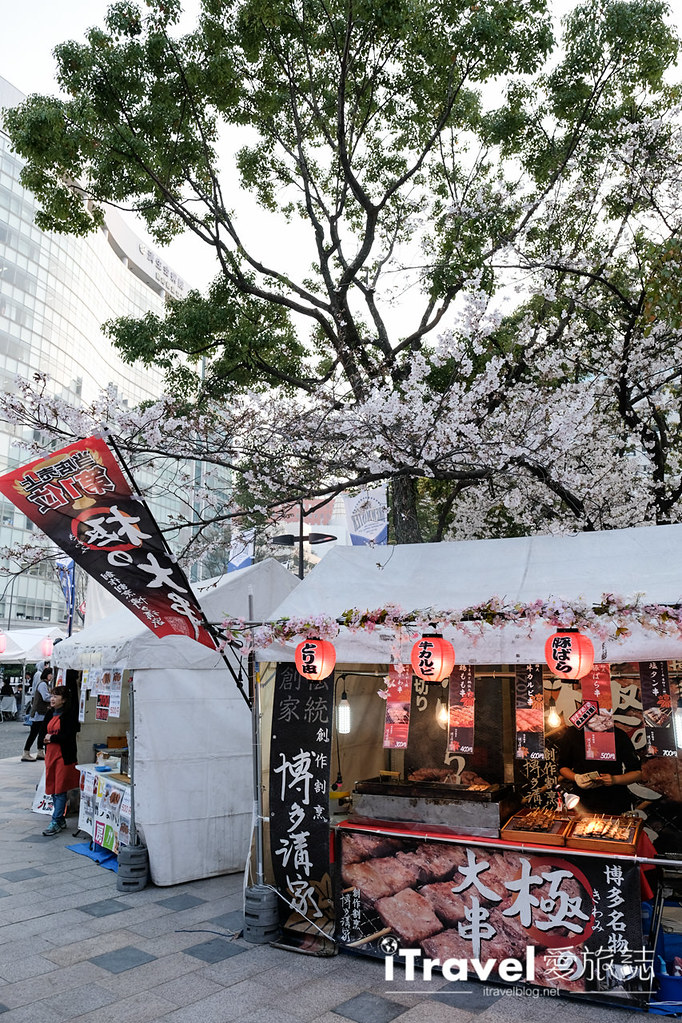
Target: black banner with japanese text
657	709
549	919
80	499
530	712
300	752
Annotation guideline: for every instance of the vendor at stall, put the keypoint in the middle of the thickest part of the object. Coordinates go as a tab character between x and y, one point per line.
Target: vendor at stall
602	785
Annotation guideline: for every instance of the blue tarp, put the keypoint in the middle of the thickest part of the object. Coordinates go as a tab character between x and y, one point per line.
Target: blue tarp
95	852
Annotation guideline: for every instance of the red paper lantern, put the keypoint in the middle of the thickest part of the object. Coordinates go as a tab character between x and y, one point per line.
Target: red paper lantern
569	654
433	658
3	642
46	647
315	658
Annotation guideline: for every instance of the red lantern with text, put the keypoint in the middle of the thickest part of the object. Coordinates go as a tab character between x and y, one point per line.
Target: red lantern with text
3	642
433	658
315	658
569	654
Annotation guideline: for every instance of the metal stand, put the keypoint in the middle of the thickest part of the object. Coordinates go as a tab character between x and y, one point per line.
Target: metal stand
133	859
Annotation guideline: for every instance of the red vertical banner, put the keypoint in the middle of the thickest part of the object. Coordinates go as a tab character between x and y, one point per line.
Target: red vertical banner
462	705
657	709
398	702
600	739
530	712
79	497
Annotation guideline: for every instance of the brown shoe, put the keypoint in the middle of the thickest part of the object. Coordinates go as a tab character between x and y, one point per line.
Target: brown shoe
40	754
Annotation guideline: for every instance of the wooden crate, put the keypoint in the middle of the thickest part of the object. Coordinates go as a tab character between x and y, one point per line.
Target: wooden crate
514	832
597	843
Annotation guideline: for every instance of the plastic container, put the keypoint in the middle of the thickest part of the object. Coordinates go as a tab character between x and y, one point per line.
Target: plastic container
669	987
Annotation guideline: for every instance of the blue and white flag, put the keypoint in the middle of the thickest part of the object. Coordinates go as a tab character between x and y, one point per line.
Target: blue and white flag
242	549
66	573
367	517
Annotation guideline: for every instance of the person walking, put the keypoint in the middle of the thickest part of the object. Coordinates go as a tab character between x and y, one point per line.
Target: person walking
40	709
60	756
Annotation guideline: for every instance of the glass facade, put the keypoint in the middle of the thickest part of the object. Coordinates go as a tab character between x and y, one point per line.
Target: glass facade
55	293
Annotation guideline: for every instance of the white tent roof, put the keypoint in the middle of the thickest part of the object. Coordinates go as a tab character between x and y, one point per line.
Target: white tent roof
121	638
25	644
451	576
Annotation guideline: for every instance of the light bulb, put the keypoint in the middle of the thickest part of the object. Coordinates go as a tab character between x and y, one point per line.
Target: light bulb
442	714
553	718
343	715
677	726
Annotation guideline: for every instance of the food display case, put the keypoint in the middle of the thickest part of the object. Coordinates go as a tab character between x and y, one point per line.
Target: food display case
539	827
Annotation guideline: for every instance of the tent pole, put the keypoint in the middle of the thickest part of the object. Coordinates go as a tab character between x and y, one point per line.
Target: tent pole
204	621
257	758
131	763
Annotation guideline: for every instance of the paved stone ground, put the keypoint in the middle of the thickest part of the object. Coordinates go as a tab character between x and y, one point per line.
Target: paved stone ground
73	948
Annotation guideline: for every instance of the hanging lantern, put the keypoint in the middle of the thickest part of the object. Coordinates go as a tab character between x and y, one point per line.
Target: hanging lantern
46	647
433	658
569	654
3	642
315	658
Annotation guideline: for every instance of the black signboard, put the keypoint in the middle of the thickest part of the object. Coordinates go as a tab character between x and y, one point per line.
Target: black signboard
300	752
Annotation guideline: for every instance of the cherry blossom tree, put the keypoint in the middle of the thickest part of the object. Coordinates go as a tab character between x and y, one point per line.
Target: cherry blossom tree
487	313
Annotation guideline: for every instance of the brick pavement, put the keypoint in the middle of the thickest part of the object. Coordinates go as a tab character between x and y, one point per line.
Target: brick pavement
73	948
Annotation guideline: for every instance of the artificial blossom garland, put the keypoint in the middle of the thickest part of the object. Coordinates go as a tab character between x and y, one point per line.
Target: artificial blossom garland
612	618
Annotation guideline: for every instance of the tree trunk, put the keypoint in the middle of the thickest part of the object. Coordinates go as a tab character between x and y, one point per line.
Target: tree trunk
404	511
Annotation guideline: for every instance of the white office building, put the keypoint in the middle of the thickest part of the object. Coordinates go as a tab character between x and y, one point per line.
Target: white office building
55	293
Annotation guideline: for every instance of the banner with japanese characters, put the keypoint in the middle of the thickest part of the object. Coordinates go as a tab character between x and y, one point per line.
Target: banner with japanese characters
600	738
657	709
397	724
551	920
300	754
80	498
462	704
530	712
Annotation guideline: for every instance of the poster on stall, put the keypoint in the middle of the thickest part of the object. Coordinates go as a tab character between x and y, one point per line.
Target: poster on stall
300	754
86	812
657	709
102	708
81	704
600	739
570	922
105	680
95	680
397	723
124	816
530	712
85	680
115	692
107	809
462	704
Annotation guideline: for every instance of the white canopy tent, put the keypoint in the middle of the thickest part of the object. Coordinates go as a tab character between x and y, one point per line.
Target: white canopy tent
445	576
25	646
192	728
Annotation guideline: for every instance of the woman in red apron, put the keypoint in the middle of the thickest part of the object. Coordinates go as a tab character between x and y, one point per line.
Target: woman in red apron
60	757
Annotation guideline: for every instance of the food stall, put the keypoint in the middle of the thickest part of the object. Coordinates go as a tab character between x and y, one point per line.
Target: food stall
450	836
193	780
